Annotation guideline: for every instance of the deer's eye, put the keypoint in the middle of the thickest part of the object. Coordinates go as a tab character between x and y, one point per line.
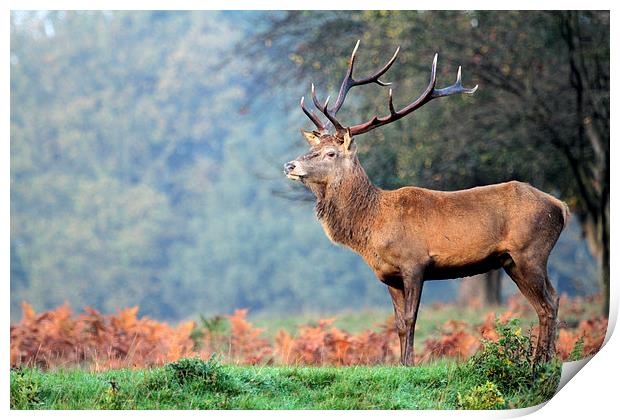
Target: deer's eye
330	154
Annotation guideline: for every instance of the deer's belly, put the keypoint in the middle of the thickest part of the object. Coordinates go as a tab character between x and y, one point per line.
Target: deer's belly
391	274
441	270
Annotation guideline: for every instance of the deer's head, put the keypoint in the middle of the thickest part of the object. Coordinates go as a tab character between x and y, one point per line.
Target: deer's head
332	155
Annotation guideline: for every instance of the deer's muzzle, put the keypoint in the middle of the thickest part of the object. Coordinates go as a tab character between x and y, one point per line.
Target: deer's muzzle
293	170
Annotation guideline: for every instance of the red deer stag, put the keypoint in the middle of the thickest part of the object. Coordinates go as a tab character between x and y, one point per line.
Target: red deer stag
413	234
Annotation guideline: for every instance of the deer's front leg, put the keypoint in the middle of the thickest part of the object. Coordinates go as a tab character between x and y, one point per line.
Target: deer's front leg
398	300
412	284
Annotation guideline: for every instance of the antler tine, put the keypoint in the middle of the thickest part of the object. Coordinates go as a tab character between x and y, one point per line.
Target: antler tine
323	109
457	87
350	70
375	77
348	82
429	93
312	116
391	104
317	104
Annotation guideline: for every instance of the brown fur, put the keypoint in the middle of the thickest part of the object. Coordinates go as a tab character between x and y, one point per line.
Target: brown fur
411	235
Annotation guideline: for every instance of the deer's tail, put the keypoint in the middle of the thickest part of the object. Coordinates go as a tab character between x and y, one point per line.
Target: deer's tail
559	204
565	213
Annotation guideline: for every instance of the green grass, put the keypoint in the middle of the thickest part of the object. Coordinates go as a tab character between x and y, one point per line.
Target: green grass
194	384
248	388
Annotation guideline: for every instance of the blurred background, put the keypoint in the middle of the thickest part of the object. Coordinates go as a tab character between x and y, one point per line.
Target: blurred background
147	147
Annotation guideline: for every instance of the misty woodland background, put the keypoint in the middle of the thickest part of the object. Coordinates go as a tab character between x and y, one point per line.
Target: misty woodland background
147	147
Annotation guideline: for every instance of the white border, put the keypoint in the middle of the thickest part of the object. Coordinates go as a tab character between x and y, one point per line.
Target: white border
591	394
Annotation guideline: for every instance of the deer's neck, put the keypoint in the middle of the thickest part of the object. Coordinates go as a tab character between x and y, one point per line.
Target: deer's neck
346	208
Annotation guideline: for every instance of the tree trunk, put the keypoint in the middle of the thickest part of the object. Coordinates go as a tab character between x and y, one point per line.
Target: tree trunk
605	279
597	238
482	288
493	288
605	259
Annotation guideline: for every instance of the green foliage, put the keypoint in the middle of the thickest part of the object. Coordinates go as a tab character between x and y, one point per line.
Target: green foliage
577	351
507	363
24	390
482	397
115	398
209	373
201	376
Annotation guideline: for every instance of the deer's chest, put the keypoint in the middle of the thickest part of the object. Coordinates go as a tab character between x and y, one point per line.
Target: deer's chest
387	270
328	231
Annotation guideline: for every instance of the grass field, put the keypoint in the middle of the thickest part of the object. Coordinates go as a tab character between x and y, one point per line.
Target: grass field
199	385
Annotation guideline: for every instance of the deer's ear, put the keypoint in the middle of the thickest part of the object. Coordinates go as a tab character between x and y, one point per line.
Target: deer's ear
347	140
312	137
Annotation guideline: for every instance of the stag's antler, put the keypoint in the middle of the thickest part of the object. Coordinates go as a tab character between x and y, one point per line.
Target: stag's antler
429	93
319	125
348	82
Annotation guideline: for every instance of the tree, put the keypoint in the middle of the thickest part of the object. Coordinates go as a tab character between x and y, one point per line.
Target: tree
484	288
112	127
587	39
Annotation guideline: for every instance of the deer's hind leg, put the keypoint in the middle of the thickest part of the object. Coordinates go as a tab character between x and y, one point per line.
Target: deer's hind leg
529	272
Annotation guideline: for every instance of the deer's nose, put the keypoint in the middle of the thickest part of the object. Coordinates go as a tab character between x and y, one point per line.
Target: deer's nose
288	167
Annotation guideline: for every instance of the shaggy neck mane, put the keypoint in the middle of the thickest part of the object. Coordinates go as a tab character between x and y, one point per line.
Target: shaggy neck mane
346	207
